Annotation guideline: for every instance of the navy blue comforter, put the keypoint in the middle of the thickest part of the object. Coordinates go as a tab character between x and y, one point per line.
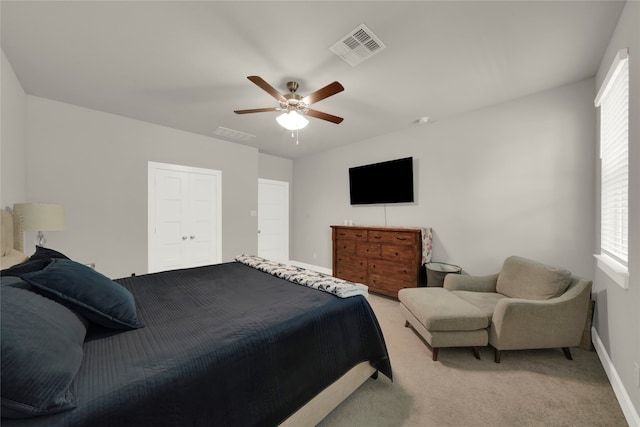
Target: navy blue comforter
223	345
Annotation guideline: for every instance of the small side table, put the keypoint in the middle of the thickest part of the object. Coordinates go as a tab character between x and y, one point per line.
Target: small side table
437	271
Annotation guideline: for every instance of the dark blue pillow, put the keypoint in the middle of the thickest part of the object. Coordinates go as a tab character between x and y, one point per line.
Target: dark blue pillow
41	353
87	292
12	280
36	262
47	253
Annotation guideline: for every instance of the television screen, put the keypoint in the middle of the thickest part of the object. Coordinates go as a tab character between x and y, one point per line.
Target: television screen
385	182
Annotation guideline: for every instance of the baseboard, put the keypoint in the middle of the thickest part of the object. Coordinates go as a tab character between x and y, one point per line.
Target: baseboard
630	412
311	267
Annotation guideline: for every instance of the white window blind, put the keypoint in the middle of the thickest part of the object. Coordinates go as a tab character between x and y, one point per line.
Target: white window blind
613	100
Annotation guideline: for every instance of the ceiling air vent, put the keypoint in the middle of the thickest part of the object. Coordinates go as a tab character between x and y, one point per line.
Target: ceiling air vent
233	134
357	45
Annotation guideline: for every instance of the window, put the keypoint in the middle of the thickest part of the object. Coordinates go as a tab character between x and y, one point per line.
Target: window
613	100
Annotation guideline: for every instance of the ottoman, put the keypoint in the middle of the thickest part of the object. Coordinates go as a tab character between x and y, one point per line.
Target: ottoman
443	319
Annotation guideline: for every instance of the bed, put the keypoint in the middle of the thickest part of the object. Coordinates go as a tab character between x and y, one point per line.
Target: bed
227	345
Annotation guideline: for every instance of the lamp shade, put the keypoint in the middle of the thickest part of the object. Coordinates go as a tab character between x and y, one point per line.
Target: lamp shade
292	120
41	216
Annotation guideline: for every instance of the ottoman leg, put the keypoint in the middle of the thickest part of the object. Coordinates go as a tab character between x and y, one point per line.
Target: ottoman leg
476	352
434	353
498	354
406	323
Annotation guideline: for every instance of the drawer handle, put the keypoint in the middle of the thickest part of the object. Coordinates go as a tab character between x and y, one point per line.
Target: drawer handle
377	237
401	238
358	235
342	234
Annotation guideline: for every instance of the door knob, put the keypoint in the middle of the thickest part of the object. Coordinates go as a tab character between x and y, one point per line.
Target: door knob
184	237
192	237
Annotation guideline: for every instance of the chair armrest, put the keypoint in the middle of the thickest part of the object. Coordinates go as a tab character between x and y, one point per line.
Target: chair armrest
557	322
462	282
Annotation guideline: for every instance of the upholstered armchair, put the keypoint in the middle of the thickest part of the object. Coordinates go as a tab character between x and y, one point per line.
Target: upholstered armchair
529	305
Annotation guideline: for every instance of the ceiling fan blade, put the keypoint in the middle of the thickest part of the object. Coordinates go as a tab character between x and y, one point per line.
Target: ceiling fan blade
256	110
324	116
325	92
267	88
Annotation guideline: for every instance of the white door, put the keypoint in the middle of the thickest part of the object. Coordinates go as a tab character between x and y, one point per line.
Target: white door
184	217
167	248
273	220
205	236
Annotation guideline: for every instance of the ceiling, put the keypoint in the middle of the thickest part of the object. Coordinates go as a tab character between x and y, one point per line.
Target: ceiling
184	64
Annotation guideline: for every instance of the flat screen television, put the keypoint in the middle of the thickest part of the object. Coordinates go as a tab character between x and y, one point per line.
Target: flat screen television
384	182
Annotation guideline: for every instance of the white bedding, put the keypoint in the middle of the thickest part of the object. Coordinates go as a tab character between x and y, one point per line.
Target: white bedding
12	258
302	276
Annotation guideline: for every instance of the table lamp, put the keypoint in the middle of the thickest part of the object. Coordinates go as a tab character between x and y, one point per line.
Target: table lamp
41	217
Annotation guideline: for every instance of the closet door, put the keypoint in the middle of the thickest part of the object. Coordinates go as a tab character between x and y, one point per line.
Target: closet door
202	218
184	217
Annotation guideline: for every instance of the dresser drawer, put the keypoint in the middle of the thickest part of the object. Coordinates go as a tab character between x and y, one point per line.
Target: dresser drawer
351	234
388	285
345	247
395	237
392	269
351	261
368	250
399	253
351	274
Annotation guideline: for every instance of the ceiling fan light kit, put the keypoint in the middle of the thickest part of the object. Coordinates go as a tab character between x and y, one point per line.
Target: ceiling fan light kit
292	120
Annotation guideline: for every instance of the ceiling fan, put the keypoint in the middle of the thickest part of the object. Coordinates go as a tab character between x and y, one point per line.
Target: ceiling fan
292	102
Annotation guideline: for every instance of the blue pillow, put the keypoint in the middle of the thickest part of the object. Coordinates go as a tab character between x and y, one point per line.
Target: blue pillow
41	353
12	280
87	292
47	253
36	262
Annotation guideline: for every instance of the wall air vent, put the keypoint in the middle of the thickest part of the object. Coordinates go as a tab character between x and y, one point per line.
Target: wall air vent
233	134
357	45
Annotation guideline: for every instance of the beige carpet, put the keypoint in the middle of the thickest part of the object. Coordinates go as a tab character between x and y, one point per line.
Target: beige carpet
528	388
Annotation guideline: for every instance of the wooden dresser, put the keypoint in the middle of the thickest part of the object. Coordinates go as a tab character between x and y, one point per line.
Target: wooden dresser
386	259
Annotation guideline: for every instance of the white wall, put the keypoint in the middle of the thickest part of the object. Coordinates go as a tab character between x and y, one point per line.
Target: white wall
617	312
276	168
12	139
95	164
515	178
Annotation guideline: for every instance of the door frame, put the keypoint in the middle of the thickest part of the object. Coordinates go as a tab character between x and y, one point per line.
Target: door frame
152	167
